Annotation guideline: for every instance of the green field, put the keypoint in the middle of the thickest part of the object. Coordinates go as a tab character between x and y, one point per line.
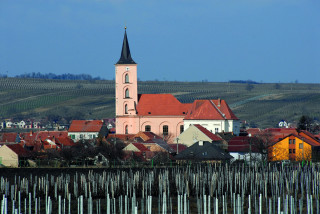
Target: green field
265	105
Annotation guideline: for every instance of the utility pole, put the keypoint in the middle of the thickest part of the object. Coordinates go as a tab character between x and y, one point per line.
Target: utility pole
177	145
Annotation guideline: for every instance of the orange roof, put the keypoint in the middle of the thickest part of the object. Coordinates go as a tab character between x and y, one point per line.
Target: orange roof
147	136
161	104
85	126
210	110
141	147
208	133
64	141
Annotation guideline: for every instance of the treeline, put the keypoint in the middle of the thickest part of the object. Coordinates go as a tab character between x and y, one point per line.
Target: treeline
244	81
67	76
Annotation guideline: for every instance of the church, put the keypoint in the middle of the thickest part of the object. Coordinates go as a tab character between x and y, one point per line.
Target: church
163	114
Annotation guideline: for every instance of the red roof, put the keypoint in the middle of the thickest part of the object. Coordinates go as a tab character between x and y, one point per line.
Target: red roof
85	126
209	134
8	137
181	147
161	104
241	144
210	110
141	147
253	131
65	141
310	141
18	149
147	136
29	137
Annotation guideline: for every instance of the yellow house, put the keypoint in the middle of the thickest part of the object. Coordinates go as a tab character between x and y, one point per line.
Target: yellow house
293	147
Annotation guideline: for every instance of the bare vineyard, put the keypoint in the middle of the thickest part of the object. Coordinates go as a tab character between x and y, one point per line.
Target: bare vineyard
198	189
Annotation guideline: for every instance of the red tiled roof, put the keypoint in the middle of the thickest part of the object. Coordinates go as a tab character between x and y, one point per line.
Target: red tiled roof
65	141
210	110
253	131
311	142
181	147
8	137
85	126
18	149
161	104
141	147
147	136
29	137
241	144
208	133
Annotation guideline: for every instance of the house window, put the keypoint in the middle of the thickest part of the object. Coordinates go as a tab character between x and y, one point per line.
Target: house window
293	151
126	109
204	153
127	93
147	128
81	136
290	141
126	78
300	145
293	141
290	151
165	130
181	128
126	129
216	130
73	136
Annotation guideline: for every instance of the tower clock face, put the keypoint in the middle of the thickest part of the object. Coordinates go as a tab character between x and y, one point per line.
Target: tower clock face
127	69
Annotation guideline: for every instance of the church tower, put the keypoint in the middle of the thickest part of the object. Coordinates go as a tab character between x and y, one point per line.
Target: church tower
126	85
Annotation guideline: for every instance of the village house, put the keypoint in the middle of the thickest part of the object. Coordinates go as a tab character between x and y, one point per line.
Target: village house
195	133
295	147
10	155
163	114
84	129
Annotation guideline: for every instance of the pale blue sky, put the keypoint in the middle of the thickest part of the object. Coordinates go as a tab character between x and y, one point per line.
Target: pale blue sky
184	40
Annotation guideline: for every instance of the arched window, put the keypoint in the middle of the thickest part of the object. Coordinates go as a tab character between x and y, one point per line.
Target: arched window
165	130
127	93
126	78
126	109
181	128
126	129
147	128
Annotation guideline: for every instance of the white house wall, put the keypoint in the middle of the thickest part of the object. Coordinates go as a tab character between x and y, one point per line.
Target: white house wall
216	125
75	136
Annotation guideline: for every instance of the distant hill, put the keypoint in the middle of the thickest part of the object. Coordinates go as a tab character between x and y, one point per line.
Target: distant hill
67	76
263	104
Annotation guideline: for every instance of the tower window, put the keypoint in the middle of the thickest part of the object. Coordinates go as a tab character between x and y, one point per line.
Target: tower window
165	130
126	129
181	128
127	93
147	128
126	78
126	109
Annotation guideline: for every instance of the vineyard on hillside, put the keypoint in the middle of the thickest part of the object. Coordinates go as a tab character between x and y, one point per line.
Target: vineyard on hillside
263	105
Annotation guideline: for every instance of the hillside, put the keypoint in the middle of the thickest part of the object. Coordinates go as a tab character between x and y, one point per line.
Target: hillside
263	105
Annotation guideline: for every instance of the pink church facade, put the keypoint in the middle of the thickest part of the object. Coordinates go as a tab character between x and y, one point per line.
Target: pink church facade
161	114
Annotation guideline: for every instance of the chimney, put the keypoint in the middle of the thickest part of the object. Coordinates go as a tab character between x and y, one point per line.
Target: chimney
219	102
200	143
31	133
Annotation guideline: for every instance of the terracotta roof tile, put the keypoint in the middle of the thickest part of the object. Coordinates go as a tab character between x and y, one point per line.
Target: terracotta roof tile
85	126
18	149
141	147
210	110
161	104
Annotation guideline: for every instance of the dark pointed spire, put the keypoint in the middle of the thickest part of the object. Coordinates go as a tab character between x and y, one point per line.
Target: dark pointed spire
125	57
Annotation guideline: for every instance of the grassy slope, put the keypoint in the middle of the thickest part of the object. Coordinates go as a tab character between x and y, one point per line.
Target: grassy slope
264	105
